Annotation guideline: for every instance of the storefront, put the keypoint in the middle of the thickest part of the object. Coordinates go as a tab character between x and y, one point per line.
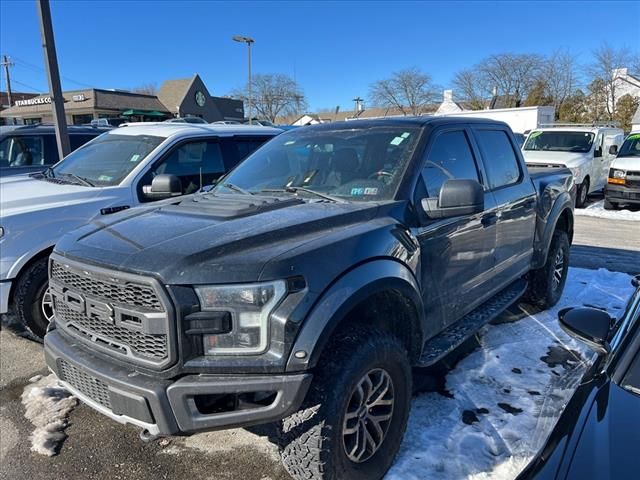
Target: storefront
176	98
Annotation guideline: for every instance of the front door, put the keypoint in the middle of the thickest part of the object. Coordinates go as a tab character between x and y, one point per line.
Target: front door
456	252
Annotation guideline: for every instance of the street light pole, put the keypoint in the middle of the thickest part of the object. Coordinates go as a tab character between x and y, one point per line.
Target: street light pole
249	41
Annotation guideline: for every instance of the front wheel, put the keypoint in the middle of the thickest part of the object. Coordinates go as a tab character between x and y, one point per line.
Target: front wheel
547	283
583	193
355	413
34	305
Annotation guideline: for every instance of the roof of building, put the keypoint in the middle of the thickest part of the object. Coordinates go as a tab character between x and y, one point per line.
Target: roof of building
169	129
172	92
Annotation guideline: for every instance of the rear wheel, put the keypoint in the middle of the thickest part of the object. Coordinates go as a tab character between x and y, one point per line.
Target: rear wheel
610	205
355	413
34	305
583	193
547	283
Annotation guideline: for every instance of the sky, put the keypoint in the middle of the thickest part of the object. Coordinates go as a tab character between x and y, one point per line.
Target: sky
334	50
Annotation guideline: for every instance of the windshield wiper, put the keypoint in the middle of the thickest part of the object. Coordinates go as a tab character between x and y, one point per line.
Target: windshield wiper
235	188
305	190
81	180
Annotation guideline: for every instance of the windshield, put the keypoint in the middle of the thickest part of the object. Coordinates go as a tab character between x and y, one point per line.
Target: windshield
557	141
631	146
355	164
108	159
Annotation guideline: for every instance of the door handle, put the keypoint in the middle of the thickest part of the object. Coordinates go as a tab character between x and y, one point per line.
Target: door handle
530	202
489	219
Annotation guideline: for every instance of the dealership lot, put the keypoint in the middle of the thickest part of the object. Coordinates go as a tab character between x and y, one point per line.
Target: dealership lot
99	448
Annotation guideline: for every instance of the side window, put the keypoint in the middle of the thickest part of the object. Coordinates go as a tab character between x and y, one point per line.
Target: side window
500	160
450	157
195	163
246	146
25	151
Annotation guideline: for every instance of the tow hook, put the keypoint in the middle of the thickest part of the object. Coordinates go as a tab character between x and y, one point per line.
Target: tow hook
147	437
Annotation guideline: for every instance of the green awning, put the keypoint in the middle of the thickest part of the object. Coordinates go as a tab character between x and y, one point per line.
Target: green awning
146	113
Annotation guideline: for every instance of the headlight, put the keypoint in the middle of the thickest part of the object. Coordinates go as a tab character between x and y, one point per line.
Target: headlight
249	307
617	173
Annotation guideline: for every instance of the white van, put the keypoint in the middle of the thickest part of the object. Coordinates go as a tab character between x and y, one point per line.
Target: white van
623	186
586	150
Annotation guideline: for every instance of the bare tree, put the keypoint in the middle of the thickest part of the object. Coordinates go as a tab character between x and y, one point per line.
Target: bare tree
150	88
512	75
274	95
411	91
606	62
467	86
558	73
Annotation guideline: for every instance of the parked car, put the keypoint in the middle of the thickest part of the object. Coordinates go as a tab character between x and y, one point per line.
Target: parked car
598	433
125	167
301	290
186	120
33	148
623	185
108	122
226	122
586	150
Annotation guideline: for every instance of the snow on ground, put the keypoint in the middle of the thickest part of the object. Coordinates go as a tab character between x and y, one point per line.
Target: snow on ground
506	395
597	210
47	406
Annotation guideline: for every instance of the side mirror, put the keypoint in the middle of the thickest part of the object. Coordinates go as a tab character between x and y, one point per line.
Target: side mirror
163	186
457	197
613	150
589	325
597	152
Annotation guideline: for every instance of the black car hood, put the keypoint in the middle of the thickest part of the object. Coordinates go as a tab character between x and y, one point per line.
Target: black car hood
211	238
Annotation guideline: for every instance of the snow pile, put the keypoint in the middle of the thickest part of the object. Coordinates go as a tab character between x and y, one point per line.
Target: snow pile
47	406
507	395
597	210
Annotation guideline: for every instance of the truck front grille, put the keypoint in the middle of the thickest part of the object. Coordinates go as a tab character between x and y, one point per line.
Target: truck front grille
124	315
86	384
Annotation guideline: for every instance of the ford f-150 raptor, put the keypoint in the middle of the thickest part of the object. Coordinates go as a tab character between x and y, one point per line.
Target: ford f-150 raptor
304	287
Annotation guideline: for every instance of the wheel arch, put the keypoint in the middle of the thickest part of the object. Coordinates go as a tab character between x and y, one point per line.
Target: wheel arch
561	217
363	291
38	256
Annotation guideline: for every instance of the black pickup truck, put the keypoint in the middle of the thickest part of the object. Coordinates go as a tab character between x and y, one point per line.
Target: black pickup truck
304	287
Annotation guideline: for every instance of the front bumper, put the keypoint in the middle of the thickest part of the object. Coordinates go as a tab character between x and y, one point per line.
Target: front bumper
622	193
5	290
169	407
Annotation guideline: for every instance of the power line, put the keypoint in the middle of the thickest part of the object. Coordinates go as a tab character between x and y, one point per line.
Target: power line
25	85
25	64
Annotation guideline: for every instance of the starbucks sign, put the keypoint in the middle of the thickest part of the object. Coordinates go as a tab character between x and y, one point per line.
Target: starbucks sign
33	101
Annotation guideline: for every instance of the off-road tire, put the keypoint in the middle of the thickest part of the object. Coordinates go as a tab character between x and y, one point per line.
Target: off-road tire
311	440
29	291
583	193
610	205
543	291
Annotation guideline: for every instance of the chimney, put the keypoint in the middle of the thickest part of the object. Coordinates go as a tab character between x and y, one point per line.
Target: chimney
619	72
448	96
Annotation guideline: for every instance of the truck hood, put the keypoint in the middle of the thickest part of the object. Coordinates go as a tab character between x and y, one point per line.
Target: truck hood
23	194
627	163
211	238
568	159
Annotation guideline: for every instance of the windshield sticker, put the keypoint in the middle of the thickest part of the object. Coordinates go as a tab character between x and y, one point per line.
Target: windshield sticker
397	141
405	134
357	191
135	157
290	142
535	134
104	178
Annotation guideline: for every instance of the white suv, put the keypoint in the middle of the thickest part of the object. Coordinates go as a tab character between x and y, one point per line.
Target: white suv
123	168
586	150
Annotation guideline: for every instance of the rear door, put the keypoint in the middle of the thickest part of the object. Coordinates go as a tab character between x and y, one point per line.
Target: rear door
457	252
515	198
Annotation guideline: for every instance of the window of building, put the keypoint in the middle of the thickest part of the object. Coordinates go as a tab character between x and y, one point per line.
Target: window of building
500	160
82	119
450	157
32	121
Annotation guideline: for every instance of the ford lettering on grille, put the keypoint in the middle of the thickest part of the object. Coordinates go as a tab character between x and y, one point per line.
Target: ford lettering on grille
124	316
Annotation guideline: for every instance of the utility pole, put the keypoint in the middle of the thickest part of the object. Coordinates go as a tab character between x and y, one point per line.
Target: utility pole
55	89
6	64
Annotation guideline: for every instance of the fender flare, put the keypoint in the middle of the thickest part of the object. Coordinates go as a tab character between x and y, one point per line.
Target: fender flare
563	203
349	290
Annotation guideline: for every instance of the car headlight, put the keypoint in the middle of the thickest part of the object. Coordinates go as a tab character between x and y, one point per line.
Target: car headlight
617	173
249	307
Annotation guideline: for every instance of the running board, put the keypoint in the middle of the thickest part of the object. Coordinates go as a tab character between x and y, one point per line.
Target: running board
449	339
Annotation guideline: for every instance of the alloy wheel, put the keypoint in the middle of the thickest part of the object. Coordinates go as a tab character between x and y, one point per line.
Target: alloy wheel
558	269
368	415
47	305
